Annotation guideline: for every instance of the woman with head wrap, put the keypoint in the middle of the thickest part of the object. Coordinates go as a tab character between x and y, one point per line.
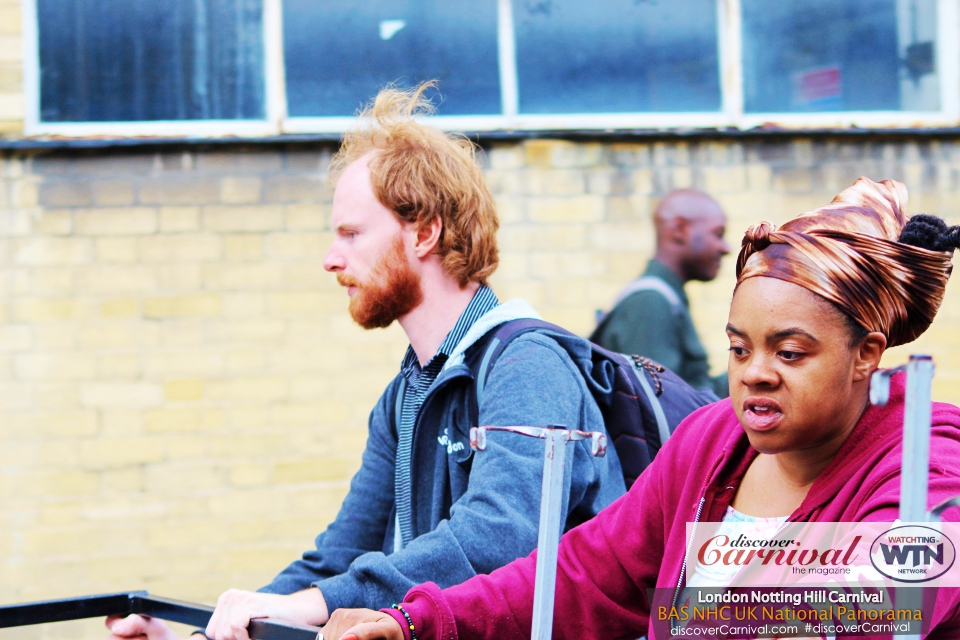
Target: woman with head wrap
816	304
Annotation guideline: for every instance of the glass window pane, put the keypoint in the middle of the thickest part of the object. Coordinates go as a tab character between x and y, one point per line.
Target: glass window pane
575	56
839	55
338	54
128	60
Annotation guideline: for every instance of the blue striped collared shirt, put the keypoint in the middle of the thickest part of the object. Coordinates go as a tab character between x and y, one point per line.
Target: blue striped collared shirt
419	381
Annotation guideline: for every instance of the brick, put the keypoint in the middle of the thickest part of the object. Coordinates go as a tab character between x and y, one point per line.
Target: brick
123	481
305	217
118	334
243	304
303	302
234	161
235	190
243	247
111	453
312	470
183	420
48	309
116	222
55	222
116	249
120	421
15	223
119	279
15	337
511	210
54	336
183	390
12	106
298	245
246	362
24	194
555	182
182	306
113	192
120	307
179	277
53	251
120	394
506	157
249	331
179	190
253	276
11	79
247	390
54	366
66	193
724	179
575	209
176	363
173	219
296	188
55	424
119	366
557	153
203	247
243	218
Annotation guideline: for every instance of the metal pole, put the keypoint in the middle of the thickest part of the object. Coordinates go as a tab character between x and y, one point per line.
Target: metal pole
551	502
551	495
915	472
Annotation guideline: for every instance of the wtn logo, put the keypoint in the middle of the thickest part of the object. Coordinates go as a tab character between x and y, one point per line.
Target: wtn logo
912	553
897	554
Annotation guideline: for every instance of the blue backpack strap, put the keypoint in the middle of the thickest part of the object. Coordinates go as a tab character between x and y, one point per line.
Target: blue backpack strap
663	427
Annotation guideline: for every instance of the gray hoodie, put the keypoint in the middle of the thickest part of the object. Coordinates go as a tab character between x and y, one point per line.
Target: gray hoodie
472	513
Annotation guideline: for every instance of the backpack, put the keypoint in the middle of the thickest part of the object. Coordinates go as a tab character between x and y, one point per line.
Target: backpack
641	401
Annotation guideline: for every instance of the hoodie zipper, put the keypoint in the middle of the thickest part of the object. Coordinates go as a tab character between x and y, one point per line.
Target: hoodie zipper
693	534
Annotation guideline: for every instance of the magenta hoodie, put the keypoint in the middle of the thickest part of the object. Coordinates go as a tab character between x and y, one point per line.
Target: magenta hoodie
607	564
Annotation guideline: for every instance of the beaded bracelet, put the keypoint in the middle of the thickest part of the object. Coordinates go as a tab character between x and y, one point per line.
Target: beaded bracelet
413	635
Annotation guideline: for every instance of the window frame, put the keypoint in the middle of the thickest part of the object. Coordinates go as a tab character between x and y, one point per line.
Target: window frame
730	116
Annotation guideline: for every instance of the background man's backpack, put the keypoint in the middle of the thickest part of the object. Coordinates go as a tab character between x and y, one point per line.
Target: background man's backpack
641	401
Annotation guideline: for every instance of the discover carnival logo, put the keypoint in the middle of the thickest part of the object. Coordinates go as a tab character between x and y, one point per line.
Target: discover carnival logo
912	553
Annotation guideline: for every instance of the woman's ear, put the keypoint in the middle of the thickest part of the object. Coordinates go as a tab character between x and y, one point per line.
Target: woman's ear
868	355
428	237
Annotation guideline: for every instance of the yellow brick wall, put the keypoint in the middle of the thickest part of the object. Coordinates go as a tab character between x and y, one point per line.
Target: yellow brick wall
183	395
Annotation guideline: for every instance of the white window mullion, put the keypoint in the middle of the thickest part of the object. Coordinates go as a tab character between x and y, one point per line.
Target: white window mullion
31	67
507	59
273	64
730	41
948	58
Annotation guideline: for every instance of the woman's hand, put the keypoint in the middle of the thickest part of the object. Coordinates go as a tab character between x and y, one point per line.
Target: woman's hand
361	624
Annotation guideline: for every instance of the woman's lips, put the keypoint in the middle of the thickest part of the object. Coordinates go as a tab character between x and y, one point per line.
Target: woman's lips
761	414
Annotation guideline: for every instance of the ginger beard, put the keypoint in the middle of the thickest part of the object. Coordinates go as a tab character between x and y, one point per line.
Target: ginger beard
392	291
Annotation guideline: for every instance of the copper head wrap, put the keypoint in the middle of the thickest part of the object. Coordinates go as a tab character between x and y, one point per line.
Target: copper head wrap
849	253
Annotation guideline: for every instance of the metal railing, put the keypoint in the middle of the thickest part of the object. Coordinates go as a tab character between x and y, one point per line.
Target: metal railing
125	603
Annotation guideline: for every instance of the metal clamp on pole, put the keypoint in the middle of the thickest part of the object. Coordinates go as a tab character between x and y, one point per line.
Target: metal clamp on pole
551	495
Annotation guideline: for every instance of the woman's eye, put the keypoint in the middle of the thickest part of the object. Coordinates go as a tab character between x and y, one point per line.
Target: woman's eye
790	355
738	351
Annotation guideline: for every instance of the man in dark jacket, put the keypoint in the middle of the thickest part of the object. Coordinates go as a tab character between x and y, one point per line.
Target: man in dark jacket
651	315
415	241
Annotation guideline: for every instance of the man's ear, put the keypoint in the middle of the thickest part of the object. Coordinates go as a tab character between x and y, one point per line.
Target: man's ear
868	355
680	229
428	238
